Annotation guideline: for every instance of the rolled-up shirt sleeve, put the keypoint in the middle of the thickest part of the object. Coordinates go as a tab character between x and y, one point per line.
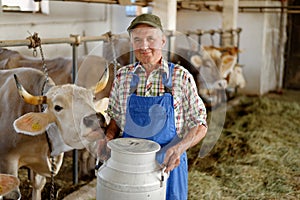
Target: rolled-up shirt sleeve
189	106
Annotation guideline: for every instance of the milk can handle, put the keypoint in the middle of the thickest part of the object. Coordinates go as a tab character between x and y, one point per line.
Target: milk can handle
97	164
162	176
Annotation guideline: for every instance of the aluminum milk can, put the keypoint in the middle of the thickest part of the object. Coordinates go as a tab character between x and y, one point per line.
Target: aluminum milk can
131	173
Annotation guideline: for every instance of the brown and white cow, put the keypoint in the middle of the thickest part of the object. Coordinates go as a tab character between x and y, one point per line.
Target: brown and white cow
70	112
214	70
205	72
59	69
90	68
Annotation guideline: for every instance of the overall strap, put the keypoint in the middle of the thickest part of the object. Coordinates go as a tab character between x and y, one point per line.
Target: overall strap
135	80
167	81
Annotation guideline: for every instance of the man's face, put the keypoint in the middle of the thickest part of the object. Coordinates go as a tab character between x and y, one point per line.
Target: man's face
147	43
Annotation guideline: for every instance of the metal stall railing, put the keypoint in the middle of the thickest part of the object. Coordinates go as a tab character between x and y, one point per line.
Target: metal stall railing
199	33
211	32
232	34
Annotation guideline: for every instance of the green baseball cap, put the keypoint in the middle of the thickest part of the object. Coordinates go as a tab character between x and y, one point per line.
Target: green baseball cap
149	19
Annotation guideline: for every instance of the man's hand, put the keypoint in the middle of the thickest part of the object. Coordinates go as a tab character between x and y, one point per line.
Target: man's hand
172	158
103	152
193	137
112	131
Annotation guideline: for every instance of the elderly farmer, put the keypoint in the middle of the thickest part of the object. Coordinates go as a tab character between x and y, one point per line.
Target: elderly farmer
157	100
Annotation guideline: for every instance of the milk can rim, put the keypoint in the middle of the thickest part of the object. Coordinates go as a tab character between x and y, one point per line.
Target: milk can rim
114	145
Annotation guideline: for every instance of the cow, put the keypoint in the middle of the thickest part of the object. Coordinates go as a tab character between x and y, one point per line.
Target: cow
211	68
69	115
204	71
118	49
224	57
236	78
59	69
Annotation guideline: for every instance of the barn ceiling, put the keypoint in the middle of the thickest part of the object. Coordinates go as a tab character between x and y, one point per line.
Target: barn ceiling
120	2
180	3
197	5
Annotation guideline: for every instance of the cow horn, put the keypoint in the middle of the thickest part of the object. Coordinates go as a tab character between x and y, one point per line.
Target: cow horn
28	98
103	81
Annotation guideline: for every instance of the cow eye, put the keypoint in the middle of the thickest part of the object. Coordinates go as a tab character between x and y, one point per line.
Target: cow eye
58	108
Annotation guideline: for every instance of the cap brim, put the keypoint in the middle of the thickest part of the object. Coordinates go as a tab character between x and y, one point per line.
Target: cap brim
143	22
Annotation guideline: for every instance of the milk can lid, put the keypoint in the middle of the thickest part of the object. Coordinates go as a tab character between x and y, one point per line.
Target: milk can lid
133	145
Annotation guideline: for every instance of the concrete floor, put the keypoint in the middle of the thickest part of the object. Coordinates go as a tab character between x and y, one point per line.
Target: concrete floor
87	192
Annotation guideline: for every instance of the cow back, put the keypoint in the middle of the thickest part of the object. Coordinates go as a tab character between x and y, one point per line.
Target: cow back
12	105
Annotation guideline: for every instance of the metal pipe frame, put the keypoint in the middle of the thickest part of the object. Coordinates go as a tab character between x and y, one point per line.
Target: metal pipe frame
205	6
71	40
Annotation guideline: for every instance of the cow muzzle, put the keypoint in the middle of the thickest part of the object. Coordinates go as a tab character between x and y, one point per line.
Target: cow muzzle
96	124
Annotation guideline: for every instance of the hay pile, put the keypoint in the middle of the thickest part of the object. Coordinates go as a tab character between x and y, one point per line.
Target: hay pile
257	155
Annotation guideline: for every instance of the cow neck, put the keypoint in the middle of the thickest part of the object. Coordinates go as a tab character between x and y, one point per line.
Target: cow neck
42	108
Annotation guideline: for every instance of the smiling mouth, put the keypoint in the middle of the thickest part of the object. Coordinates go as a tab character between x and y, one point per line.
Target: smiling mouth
148	51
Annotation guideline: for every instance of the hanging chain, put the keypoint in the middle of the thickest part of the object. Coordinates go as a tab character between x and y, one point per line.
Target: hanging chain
35	42
188	39
212	33
52	190
115	62
44	63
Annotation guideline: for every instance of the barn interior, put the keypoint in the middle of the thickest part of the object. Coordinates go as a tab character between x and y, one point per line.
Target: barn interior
254	117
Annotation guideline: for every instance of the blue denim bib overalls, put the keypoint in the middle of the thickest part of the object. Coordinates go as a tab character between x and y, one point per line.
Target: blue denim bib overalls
153	118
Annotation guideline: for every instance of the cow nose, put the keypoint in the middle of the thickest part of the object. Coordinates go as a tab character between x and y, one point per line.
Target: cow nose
94	120
90	120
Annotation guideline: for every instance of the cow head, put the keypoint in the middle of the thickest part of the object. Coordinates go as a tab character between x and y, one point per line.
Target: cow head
70	108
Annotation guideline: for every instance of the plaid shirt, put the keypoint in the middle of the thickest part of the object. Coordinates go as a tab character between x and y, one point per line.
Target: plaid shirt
189	108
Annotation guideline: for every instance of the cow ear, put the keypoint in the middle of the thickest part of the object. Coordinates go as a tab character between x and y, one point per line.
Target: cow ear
228	63
32	123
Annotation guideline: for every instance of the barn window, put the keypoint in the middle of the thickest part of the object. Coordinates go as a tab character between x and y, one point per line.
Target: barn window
133	10
25	6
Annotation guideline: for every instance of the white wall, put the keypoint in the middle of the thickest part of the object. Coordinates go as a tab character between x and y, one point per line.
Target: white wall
251	45
65	18
120	21
192	21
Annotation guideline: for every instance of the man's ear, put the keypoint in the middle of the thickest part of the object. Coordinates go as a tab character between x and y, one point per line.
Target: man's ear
32	123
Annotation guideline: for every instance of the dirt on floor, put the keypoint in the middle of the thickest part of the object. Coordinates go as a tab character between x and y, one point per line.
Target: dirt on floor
255	157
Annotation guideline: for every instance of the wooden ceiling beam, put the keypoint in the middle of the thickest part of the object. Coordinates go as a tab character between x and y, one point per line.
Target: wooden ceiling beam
120	2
